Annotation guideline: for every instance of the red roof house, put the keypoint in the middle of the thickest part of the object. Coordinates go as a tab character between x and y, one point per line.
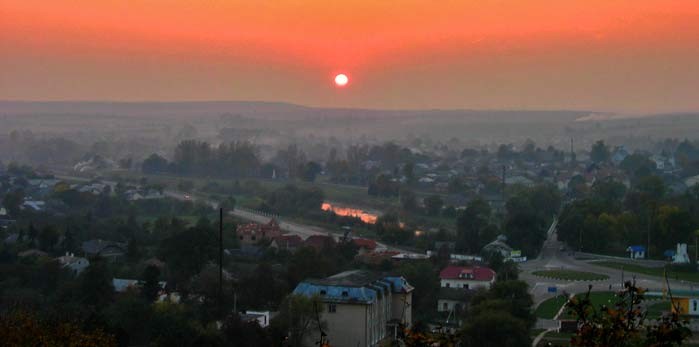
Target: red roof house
319	242
287	242
252	233
469	277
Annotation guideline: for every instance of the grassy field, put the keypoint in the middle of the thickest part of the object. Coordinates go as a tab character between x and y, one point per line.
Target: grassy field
597	298
571	275
550	307
555	339
651	271
656	309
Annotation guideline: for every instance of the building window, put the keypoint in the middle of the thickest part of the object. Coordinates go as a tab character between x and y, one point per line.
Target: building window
323	292
332	308
465	285
345	293
445	306
448	285
694	306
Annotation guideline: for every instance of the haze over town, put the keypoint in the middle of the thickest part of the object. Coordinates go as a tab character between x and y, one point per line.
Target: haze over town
310	173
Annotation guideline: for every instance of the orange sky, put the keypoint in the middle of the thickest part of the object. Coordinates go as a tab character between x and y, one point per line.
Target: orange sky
617	55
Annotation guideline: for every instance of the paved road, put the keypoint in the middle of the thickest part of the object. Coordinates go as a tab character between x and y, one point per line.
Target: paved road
552	257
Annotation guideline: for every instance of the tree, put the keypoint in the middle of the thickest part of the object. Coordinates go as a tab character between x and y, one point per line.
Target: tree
130	317
48	237
185	186
228	204
298	315
495	328
472	227
151	285
22	328
12	201
409	172
425	279
625	323
600	152
188	251
433	205
310	170
500	316
96	284
244	334
69	243
408	200
155	164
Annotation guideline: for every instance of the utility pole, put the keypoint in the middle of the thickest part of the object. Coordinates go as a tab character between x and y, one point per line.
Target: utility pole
220	259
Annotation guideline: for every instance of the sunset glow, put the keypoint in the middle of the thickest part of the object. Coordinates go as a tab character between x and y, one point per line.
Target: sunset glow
366	217
585	54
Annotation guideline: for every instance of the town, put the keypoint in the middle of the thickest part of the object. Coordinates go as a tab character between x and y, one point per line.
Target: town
382	244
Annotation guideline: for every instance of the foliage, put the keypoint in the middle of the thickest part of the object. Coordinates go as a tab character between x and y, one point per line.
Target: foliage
473	227
571	275
433	205
21	328
599	152
624	323
151	287
298	315
295	201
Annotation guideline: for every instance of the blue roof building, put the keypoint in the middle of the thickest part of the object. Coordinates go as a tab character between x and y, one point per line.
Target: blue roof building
360	307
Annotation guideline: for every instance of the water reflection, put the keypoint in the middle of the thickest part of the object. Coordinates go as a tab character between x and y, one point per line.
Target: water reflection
366	217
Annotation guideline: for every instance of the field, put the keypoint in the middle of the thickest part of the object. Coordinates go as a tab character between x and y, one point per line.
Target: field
597	298
550	307
651	271
571	275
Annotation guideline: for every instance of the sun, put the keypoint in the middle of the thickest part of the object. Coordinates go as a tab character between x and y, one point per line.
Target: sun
341	80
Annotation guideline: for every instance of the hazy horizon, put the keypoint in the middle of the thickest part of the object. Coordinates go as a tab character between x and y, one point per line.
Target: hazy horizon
622	56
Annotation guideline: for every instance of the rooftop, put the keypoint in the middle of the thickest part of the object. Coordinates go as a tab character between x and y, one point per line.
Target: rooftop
475	273
355	287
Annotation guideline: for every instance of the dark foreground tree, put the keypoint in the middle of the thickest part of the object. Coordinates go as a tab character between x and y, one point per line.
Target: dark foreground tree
625	323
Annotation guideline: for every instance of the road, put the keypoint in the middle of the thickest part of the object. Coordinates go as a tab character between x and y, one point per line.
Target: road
552	257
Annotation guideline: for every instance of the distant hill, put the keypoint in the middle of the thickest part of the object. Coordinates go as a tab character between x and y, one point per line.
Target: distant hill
267	110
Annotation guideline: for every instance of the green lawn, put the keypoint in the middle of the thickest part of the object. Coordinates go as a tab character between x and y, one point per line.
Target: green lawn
555	339
656	309
550	307
571	275
651	271
597	298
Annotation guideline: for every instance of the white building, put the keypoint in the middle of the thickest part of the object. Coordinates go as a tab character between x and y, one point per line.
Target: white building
466	277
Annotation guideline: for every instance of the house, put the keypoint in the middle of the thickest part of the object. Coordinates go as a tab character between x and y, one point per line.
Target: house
12	238
636	252
360	308
287	242
319	242
467	277
122	285
73	263
104	249
364	245
34	205
453	299
252	233
498	246
260	317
